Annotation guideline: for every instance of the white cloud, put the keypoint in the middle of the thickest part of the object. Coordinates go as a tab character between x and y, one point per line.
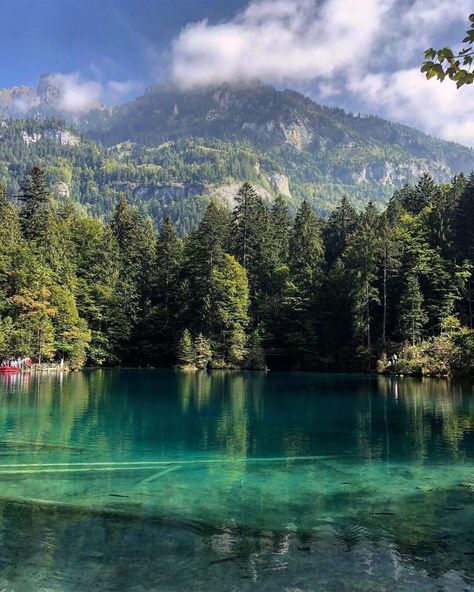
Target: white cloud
406	96
364	52
279	40
74	95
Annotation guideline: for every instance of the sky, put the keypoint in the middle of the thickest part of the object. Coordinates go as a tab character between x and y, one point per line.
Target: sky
362	55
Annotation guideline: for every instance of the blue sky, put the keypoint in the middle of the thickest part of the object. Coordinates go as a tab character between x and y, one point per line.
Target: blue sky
363	55
119	39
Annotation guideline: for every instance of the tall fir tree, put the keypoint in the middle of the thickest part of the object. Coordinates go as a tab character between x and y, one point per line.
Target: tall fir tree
412	315
35	199
341	224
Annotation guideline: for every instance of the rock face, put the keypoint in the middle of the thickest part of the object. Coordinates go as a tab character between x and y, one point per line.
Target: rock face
30	139
228	192
47	100
169	147
341	146
280	184
62	190
63	137
60	136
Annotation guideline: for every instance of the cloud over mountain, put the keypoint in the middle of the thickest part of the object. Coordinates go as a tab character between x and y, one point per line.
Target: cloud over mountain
368	51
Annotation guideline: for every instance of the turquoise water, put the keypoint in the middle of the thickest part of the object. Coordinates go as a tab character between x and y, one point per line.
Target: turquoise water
141	480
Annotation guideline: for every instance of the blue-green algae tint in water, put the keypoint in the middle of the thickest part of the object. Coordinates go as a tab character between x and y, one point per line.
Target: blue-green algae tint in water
136	480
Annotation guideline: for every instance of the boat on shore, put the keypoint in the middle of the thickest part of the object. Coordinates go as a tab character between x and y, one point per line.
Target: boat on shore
8	370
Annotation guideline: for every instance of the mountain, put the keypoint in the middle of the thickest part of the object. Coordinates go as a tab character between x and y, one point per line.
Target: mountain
52	97
170	149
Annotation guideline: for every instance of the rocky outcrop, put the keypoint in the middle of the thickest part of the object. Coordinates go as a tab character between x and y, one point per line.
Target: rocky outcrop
228	192
63	137
395	174
280	184
62	190
30	139
60	136
180	192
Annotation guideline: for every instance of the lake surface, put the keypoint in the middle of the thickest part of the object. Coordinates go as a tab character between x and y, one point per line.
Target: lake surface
141	480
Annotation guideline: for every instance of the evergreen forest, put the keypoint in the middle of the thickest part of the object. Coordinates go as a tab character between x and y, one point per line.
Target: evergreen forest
250	287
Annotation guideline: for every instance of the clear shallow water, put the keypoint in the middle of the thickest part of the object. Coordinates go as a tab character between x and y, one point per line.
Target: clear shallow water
158	480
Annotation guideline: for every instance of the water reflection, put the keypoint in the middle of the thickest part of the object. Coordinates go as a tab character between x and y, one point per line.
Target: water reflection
261	473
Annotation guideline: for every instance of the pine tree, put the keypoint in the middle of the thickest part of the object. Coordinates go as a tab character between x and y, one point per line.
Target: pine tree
251	242
203	351
464	239
389	267
130	231
306	276
412	315
363	256
255	359
169	255
185	352
96	262
340	225
10	226
415	199
35	200
280	231
229	303
307	252
204	250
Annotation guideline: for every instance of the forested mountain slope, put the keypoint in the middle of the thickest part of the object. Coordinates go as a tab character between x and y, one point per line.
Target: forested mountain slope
169	150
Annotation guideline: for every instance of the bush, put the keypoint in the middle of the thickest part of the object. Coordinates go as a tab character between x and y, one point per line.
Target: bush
450	353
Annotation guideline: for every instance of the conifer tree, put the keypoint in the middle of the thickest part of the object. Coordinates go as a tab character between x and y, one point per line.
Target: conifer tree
306	276
167	296
202	351
341	224
255	359
35	199
412	315
130	231
185	352
229	302
96	262
204	251
307	252
280	231
9	227
464	241
251	242
363	256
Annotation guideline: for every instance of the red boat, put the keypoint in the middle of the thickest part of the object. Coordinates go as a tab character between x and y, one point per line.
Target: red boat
5	370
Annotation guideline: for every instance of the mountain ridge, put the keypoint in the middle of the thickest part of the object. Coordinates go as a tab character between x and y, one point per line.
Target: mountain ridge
172	146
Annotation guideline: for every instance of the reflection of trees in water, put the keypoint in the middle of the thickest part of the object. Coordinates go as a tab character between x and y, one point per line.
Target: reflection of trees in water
222	403
437	417
239	414
60	413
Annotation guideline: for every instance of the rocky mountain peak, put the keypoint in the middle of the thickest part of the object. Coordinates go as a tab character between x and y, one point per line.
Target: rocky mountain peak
47	90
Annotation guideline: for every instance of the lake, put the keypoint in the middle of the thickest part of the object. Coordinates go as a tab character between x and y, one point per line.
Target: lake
141	480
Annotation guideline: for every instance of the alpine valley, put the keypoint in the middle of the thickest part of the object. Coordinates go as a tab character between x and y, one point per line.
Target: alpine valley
170	150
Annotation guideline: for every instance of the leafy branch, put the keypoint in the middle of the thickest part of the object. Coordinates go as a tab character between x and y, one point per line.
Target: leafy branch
456	66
